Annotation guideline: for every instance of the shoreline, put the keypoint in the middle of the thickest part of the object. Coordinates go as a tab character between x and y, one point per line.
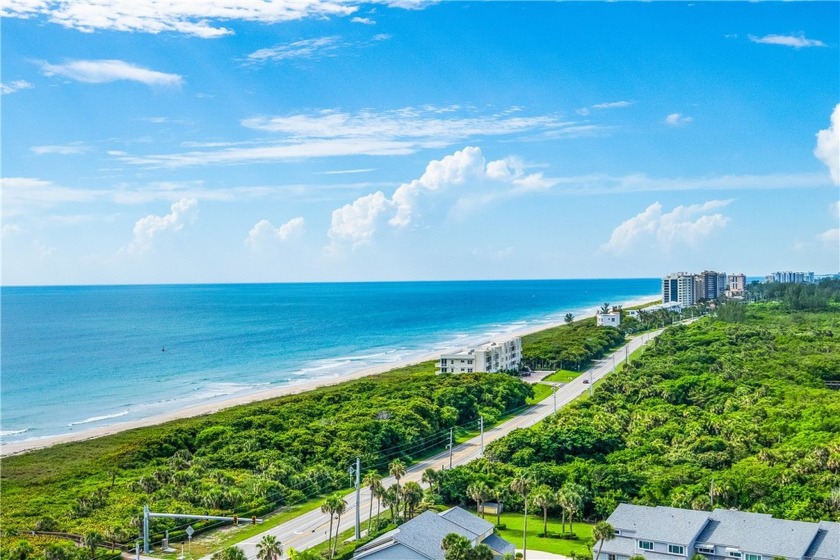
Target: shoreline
18	447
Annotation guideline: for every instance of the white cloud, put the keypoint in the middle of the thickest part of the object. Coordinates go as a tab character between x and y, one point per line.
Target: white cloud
613	105
329	133
684	225
454	176
180	16
830	237
356	223
381	37
828	145
796	41
305	48
23	193
834	208
11	229
146	229
363	20
265	231
456	169
64	150
103	71
13	86
410	122
676	119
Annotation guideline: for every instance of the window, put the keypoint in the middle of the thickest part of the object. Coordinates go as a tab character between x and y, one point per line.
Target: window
706	549
734	554
610	556
618	532
677	549
646	545
753	556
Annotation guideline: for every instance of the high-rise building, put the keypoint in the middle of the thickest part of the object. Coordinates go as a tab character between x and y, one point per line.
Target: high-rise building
679	287
711	284
788	277
736	285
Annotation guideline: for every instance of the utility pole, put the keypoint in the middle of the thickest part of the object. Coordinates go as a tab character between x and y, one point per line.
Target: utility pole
450	447
554	391
590	382
358	498
481	425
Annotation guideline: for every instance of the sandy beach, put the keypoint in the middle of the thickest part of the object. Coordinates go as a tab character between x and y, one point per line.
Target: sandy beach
13	448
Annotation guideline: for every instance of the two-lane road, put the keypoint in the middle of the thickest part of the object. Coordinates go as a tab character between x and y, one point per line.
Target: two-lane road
310	529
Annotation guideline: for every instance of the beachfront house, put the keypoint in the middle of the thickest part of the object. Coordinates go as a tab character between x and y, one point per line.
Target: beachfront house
666	533
420	538
497	356
612	319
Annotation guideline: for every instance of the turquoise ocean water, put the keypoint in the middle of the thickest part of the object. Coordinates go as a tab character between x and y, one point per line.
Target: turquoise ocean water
74	358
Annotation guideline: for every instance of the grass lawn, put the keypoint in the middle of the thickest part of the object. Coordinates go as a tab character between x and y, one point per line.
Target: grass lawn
541	391
513	533
562	376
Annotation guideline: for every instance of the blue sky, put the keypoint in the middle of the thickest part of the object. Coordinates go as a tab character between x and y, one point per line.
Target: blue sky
222	141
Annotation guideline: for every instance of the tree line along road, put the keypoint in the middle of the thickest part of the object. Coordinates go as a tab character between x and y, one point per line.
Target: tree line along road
310	529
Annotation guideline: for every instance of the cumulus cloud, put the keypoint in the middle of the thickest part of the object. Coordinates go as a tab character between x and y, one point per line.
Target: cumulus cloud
684	225
796	41
356	222
146	229
677	119
199	19
828	145
265	231
453	176
363	21
13	86
103	71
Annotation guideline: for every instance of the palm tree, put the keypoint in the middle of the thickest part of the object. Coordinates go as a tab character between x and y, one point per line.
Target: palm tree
430	476
391	497
412	495
602	532
340	507
569	318
397	470
328	507
90	540
373	481
574	501
478	491
269	548
543	498
605	308
521	484
500	494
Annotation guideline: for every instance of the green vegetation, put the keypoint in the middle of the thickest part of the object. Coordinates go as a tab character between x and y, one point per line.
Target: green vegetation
572	345
247	460
742	404
541	391
512	532
562	376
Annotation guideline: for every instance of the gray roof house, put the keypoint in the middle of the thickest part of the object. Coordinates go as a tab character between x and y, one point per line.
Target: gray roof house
666	533
420	538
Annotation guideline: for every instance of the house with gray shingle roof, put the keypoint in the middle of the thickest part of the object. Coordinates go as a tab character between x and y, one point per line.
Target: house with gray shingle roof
666	533
420	538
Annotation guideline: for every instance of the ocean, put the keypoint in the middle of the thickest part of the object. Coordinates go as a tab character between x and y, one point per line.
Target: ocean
74	358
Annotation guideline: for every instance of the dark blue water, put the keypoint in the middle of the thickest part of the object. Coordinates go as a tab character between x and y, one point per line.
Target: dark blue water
74	358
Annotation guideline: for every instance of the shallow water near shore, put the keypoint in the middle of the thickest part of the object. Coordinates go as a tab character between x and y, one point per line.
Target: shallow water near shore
74	358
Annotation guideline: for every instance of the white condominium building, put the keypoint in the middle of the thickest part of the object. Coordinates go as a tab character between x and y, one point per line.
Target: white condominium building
490	357
679	287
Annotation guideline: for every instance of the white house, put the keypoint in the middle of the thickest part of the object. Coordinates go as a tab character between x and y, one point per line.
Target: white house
491	357
612	319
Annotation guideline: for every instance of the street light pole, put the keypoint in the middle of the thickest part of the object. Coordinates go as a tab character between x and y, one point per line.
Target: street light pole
481	425
358	498
554	391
